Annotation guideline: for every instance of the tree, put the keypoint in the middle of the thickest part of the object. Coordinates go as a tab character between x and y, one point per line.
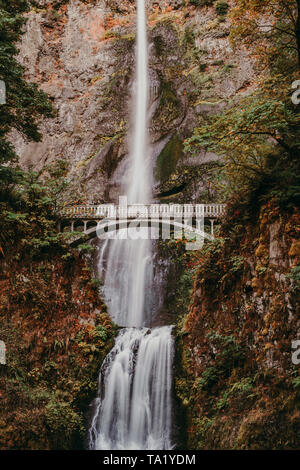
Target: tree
30	218
253	135
25	104
270	25
258	136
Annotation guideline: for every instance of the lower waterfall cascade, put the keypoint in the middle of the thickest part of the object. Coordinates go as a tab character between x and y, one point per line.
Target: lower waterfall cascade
133	410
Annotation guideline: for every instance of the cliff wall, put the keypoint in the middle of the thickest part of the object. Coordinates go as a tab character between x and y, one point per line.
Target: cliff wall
82	54
236	378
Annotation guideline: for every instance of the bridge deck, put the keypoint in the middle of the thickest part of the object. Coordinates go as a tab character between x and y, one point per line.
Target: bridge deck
94	212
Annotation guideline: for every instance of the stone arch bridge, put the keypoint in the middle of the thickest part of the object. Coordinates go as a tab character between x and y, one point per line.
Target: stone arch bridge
98	220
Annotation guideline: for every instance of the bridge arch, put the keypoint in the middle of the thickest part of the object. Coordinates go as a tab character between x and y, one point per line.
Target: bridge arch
106	218
90	224
156	227
78	226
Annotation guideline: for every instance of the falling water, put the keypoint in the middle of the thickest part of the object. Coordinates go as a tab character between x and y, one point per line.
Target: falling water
139	189
133	407
135	410
129	270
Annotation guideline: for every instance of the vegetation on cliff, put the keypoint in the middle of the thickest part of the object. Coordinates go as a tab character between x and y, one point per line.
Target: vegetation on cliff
52	320
54	324
258	135
57	334
235	377
25	104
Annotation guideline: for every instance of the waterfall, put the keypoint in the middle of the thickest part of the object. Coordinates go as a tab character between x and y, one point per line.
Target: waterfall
139	189
135	410
133	407
129	270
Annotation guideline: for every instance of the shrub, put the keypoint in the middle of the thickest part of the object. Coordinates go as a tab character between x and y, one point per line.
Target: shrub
296	382
294	275
221	7
198	3
237	263
63	422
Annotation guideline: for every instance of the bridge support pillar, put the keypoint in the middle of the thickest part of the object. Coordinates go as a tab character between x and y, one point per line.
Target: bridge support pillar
212	228
85	222
72	226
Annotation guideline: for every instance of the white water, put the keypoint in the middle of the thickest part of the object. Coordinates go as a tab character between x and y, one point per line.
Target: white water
129	271
135	410
139	188
133	407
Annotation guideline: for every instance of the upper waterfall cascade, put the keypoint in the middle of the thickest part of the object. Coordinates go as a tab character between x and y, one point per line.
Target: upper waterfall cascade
133	408
129	269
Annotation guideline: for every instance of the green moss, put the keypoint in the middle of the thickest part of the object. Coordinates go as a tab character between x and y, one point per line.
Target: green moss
97	78
169	106
159	45
200	426
168	96
168	159
227	68
202	3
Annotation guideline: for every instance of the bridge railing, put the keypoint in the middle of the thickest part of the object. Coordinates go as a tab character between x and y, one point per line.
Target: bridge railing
145	211
214	210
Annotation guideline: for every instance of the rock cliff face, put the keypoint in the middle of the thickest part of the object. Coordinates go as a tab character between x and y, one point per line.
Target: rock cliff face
82	54
237	380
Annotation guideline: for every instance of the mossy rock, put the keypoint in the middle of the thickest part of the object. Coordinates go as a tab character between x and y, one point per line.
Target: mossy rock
169	108
168	159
